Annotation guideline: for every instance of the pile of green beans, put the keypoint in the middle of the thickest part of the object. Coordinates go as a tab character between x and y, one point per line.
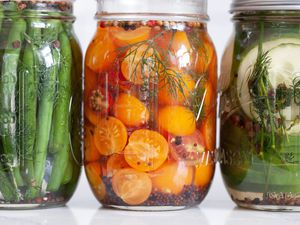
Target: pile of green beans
37	107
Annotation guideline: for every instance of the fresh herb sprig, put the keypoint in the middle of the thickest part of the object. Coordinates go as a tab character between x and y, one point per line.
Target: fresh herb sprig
155	67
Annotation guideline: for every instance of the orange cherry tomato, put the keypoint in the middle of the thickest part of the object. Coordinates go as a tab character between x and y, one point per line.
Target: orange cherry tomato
98	103
204	172
90	80
204	55
213	72
208	128
115	163
101	53
91	152
181	50
137	66
131	186
177	120
188	149
209	123
172	177
146	151
110	136
93	172
163	39
130	110
128	37
179	96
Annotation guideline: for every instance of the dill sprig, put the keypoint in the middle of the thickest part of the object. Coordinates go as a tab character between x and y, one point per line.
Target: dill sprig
154	66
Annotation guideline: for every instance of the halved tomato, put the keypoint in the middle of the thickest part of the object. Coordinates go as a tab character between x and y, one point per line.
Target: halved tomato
130	110
181	50
115	163
131	186
146	151
101	53
90	151
93	172
183	89
208	128
188	149
98	103
204	172
137	66
110	136
128	37
172	177
177	120
204	54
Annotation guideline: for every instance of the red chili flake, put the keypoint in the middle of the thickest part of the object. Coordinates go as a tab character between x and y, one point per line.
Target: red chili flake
16	44
102	24
152	23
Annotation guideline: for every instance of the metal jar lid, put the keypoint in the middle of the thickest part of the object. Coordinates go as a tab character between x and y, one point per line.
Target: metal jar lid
250	5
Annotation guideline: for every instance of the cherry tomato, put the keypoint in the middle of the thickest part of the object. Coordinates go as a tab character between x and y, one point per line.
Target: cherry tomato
189	149
98	103
131	186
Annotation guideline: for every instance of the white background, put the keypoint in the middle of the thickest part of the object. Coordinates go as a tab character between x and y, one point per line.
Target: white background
217	209
220	29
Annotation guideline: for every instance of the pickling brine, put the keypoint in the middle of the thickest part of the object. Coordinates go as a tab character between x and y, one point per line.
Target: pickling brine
260	107
40	104
150	112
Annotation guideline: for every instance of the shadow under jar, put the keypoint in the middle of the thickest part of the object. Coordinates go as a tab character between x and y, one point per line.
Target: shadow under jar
40	104
260	106
150	105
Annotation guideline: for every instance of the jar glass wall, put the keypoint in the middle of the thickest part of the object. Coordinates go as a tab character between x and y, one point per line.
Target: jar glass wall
150	108
40	104
260	135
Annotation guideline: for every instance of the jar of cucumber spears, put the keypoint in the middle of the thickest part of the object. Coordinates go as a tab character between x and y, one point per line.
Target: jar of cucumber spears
150	104
260	106
40	104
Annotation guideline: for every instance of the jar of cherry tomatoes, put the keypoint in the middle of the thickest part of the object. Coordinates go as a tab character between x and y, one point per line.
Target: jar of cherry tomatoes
150	104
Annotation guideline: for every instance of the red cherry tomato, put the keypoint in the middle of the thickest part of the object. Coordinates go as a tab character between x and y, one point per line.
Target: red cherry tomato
189	149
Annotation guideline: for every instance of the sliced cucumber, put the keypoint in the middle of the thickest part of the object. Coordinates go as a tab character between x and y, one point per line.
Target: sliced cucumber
284	57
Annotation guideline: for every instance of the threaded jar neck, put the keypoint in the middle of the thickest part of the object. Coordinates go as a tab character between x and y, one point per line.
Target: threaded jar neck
172	10
44	9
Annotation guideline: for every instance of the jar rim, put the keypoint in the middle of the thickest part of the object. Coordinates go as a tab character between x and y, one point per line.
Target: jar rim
264	5
153	7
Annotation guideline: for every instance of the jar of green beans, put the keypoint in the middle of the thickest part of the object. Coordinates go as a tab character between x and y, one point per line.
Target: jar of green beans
40	103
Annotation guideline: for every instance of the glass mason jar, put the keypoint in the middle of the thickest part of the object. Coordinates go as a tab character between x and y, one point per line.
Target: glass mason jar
150	104
40	104
260	106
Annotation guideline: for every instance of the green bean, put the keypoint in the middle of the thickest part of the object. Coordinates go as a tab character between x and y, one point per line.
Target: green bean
61	121
7	189
60	144
8	125
68	173
59	170
51	56
28	102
